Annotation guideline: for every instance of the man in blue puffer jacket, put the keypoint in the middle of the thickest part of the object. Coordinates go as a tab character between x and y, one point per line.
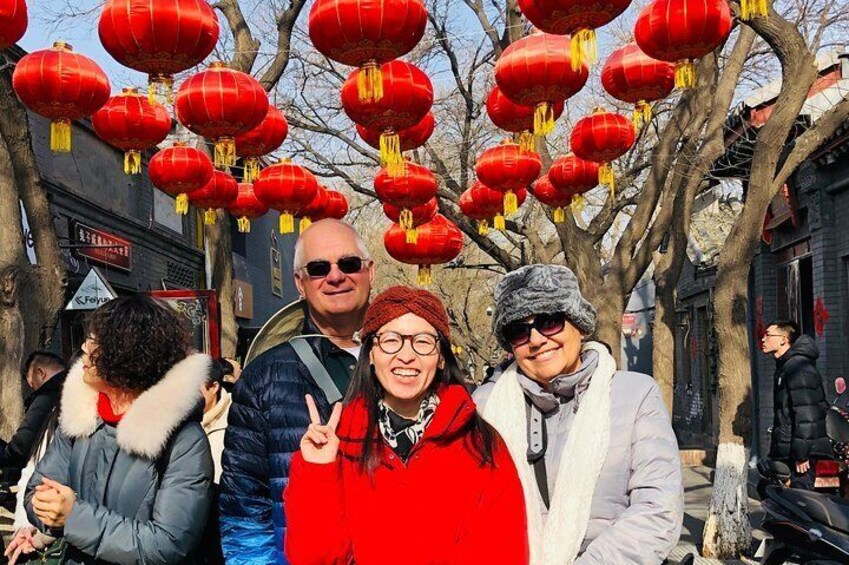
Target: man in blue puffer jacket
333	274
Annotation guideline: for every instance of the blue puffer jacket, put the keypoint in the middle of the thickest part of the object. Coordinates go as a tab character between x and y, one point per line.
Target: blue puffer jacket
267	419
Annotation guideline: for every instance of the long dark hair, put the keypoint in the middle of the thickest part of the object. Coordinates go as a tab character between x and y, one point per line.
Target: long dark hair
479	435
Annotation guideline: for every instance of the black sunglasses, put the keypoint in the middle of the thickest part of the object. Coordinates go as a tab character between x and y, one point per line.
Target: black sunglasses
519	333
321	268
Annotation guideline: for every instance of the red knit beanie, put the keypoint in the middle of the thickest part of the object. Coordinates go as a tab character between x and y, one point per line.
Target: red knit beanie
396	301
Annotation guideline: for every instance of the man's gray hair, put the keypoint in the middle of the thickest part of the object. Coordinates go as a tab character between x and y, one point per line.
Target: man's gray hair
298	261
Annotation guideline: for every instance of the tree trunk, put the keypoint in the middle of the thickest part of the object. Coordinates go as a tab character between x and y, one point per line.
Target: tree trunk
663	330
11	352
609	325
220	265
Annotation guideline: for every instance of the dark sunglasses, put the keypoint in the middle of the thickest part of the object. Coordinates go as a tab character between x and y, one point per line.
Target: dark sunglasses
519	333
321	268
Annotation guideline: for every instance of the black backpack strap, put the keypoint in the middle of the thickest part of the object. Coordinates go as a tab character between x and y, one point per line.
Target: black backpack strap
319	374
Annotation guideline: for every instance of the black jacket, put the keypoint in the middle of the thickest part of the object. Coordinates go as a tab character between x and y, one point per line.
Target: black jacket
38	406
800	405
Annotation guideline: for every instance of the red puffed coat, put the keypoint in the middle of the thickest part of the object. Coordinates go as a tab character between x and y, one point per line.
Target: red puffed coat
442	506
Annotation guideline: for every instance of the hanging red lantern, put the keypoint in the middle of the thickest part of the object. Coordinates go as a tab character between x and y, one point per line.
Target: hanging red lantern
515	118
246	207
313	211
545	191
439	241
413	188
219	104
473	211
407	98
221	191
578	18
62	86
337	205
679	31
287	188
409	139
13	21
537	71
507	168
601	138
489	202
159	38
573	177
420	215
262	140
632	76
131	123
366	34
178	171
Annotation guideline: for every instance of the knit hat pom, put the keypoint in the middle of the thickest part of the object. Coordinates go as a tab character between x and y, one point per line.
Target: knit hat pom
396	301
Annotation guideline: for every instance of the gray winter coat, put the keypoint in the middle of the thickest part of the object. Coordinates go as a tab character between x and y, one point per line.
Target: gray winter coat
144	486
638	506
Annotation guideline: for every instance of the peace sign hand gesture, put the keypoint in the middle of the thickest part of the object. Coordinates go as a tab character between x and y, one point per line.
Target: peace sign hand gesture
320	444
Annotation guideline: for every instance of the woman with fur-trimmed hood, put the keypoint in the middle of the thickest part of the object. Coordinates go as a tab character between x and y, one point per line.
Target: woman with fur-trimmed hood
127	478
594	446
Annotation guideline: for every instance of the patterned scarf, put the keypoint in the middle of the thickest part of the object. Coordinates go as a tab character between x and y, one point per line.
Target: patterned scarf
402	434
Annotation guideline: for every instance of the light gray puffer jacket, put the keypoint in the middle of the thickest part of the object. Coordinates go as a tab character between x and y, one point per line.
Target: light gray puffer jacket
144	486
638	505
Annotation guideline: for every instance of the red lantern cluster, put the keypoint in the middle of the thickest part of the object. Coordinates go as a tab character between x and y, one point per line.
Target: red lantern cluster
337	205
632	76
601	138
572	177
544	191
439	241
287	188
420	215
415	187
62	86
220	192
246	207
508	168
131	123
408	139
179	171
13	21
262	140
515	118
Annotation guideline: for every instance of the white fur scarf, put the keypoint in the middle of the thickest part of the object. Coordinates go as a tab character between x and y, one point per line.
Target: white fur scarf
558	541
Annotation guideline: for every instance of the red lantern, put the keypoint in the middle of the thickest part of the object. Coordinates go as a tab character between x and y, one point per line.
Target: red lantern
601	138
410	138
287	188
679	31
632	76
439	241
262	140
490	203
544	191
62	86
13	21
160	38
515	118
131	123
413	188
573	177
507	168
407	98
219	192
178	171
314	210
537	71
578	18
337	205
365	34
420	215
220	103
246	207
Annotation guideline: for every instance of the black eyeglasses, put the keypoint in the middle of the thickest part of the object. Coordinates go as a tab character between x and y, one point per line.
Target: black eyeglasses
392	342
519	333
321	268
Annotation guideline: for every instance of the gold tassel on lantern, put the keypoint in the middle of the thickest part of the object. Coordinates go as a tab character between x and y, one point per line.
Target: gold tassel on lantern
390	154
753	8
182	206
287	223
209	217
498	222
543	119
303	224
225	153
559	215
605	175
132	162
685	74
483	227
160	89
577	205
526	141
511	203
370	82
583	48
642	114
412	236
244	225
405	219
424	278
60	136
251	170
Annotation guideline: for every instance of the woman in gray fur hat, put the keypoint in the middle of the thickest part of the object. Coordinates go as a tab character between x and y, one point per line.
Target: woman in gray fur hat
594	446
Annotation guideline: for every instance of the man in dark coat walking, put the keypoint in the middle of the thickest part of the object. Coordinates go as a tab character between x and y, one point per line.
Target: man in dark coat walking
798	432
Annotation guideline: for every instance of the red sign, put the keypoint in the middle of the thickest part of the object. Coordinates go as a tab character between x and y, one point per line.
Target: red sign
102	247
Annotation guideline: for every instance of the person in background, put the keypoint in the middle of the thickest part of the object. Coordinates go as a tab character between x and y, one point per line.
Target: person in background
333	274
216	407
594	446
409	447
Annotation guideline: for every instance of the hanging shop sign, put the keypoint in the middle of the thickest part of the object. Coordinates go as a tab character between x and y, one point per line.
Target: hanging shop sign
102	247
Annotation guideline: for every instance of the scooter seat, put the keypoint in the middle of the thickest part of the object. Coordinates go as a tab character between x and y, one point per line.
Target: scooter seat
829	510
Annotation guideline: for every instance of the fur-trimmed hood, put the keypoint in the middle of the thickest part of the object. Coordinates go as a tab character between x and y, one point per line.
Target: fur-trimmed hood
154	415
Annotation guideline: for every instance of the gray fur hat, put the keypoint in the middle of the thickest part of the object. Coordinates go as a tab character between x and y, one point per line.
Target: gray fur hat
540	289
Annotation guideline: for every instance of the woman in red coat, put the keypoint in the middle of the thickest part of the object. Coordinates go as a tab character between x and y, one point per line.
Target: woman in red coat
406	472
